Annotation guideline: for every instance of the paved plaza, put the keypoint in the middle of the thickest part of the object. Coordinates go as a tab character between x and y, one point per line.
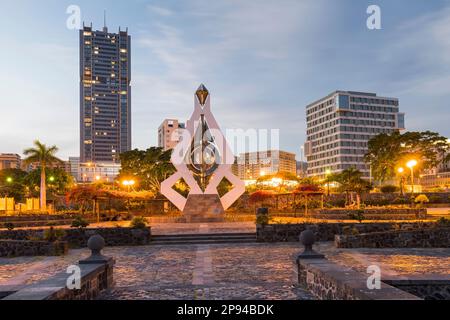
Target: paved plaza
221	271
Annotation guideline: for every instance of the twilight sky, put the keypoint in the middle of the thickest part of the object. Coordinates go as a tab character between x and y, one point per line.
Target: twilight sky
263	62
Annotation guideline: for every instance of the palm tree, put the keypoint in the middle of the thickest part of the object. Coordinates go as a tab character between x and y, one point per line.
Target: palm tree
44	156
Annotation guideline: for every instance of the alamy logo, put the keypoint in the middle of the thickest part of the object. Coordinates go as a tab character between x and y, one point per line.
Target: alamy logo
374	20
73	22
374	280
74	280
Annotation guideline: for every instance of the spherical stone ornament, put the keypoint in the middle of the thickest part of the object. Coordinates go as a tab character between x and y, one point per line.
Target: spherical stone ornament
96	243
307	238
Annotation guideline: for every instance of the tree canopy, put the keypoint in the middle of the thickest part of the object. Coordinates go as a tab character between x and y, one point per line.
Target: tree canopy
387	152
149	167
11	183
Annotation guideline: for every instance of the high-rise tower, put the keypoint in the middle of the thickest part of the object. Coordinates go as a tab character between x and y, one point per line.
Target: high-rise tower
105	95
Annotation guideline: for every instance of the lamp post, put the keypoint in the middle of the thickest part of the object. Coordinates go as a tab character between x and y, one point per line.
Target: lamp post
401	171
411	164
128	184
327	174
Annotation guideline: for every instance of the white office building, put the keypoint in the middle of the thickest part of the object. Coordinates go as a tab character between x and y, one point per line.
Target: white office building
340	125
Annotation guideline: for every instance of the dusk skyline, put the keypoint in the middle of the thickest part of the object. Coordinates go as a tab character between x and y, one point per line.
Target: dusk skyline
269	71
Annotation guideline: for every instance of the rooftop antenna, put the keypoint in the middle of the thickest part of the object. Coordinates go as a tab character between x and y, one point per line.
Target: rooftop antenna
105	28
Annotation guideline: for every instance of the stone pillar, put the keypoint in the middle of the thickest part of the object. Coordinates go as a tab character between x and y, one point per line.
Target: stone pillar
96	243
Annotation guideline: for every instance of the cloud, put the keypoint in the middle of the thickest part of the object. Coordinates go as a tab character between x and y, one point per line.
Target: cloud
161	11
233	46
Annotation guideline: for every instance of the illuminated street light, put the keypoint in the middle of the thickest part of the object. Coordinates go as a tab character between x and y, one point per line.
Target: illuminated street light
9	180
327	174
97	178
401	171
51	179
128	183
411	164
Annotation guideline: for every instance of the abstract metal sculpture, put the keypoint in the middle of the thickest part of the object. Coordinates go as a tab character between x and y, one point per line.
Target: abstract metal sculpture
203	159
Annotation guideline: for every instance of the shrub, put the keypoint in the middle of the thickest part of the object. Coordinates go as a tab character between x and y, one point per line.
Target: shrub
443	222
138	223
79	222
262	219
357	215
389	189
9	226
421	199
435	199
53	235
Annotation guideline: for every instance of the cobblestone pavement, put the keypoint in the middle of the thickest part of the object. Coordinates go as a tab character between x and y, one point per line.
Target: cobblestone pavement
221	271
228	271
394	262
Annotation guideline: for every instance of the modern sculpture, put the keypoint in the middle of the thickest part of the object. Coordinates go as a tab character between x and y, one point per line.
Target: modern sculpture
203	159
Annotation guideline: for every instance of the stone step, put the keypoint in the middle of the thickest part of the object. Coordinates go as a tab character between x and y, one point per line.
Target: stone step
204	238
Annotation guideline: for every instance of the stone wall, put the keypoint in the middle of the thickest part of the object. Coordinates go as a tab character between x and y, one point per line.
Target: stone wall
325	231
438	237
41	220
428	289
77	238
95	278
373	212
327	280
20	248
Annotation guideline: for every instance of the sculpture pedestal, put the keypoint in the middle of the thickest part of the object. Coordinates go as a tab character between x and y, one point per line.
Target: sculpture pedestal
204	208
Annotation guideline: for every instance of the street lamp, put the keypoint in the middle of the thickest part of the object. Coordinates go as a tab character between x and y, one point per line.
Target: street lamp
411	164
327	174
128	184
9	180
401	171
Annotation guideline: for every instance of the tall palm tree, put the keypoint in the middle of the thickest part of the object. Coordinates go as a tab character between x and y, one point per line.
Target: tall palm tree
44	156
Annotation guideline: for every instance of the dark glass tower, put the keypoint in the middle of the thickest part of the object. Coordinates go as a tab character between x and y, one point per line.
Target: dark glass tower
105	95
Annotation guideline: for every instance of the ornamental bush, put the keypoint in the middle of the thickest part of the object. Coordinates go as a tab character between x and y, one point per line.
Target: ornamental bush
138	223
53	235
421	199
79	222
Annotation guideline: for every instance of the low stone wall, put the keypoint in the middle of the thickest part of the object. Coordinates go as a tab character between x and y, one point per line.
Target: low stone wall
22	248
95	278
40	220
369	217
415	212
327	280
34	217
325	231
77	238
426	288
438	237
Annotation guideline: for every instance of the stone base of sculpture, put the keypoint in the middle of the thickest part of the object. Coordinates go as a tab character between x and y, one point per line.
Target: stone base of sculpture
203	208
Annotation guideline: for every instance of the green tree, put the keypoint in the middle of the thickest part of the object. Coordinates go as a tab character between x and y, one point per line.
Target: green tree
12	183
44	156
386	152
149	167
58	181
351	182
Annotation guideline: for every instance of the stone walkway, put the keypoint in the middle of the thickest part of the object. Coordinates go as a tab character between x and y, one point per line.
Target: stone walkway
395	263
221	271
231	271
